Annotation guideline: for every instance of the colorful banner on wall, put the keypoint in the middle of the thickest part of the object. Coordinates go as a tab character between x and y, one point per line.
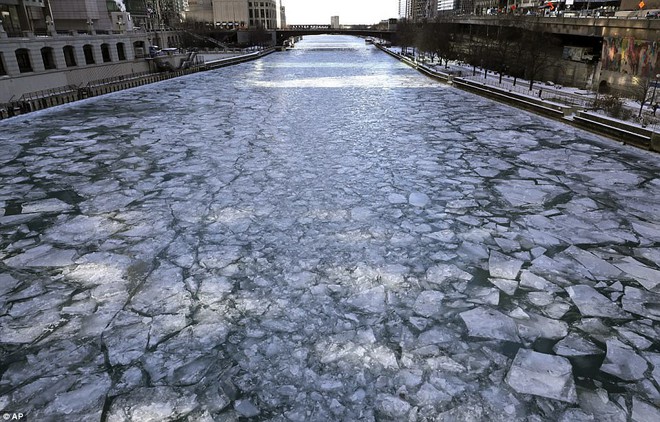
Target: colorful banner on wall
632	57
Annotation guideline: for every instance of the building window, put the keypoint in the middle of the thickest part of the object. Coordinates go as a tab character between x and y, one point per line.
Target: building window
121	53
69	56
88	50
3	71
48	58
23	60
105	53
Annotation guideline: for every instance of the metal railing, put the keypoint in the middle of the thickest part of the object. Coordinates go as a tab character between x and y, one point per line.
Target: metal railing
543	92
36	95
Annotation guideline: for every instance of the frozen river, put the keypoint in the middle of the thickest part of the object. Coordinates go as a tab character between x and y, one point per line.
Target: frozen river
321	235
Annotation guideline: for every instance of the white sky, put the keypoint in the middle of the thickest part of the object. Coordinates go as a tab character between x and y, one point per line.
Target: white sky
349	11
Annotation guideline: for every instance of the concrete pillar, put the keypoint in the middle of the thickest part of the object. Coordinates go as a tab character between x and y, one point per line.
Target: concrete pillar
78	54
113	51
36	59
11	65
58	54
98	54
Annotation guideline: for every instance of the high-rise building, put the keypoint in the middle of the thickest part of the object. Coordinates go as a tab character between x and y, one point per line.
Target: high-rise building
282	16
22	15
334	22
417	10
446	6
403	9
79	14
263	14
233	14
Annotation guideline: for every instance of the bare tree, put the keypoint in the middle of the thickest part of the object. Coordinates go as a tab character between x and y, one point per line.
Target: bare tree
537	48
504	48
641	91
474	51
405	35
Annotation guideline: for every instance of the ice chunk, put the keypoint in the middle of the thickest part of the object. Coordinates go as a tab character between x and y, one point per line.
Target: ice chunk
42	256
489	323
644	412
428	303
576	345
46	205
534	282
441	273
507	245
83	401
152	404
647	277
542	375
395	198
392	407
411	378
654	359
521	193
484	296
537	326
246	408
596	266
126	338
501	266
598	404
361	214
419	199
7	284
648	230
592	303
212	291
431	396
163	292
574	415
82	229
622	362
437	335
641	302
509	287
637	341
369	301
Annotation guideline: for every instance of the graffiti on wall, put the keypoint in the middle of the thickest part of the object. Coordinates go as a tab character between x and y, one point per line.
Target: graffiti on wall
630	56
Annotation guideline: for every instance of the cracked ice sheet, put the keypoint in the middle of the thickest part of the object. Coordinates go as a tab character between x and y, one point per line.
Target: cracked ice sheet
309	251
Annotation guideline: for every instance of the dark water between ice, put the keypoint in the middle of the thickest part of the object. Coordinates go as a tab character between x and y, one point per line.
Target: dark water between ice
323	234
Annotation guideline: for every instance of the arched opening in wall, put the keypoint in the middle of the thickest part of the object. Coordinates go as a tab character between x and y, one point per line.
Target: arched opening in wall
121	52
48	58
105	53
603	87
88	51
3	69
69	56
138	47
23	60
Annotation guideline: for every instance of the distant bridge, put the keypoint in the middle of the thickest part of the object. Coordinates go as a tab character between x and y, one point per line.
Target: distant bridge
302	30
